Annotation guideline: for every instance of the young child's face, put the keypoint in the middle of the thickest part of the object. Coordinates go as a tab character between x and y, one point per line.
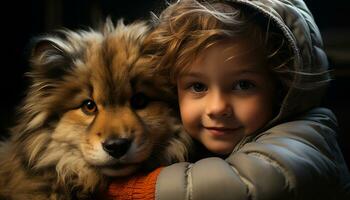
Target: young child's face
227	93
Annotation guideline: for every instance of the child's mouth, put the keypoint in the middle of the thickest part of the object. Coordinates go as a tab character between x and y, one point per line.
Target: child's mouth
221	131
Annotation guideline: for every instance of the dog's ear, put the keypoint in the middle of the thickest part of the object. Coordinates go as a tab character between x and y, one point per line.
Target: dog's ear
50	57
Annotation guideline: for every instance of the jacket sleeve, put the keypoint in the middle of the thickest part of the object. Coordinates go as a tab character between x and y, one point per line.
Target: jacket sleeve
294	160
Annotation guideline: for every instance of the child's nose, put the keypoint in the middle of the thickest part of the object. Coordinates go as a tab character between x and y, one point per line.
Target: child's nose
219	105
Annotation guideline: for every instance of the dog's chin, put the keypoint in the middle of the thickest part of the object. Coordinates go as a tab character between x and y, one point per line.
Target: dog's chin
123	170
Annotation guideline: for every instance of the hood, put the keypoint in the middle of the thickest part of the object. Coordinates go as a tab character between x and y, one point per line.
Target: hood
296	22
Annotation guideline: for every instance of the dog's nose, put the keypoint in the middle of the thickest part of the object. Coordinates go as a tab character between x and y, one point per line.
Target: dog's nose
116	147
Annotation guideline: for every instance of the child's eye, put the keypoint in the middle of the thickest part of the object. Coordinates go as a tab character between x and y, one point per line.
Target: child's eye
244	85
198	87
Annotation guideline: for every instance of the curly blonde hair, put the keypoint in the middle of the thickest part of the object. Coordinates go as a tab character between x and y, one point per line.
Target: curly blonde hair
187	27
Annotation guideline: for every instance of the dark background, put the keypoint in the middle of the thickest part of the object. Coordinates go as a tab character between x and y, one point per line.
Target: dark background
22	20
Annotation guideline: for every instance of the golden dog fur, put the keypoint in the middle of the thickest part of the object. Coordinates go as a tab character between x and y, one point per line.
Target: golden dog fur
87	87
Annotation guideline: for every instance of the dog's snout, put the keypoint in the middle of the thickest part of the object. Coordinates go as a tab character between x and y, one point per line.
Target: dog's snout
116	147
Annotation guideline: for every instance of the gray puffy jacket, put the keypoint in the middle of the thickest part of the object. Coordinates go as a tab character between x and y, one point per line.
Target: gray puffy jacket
294	160
297	159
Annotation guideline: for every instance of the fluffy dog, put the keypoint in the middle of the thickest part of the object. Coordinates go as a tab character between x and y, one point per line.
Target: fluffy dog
95	109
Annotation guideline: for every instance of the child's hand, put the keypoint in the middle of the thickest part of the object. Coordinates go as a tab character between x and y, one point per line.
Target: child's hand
138	186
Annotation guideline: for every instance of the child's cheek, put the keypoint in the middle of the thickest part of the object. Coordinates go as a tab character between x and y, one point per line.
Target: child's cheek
189	116
253	114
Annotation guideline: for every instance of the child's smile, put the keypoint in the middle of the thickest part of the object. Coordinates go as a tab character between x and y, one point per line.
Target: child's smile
221	131
226	93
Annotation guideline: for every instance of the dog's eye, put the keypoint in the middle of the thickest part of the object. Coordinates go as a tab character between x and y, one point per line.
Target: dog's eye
139	101
89	107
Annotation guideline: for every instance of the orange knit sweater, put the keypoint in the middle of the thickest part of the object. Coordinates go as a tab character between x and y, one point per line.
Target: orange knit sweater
136	187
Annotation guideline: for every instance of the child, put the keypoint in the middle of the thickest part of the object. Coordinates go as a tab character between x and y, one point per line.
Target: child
250	76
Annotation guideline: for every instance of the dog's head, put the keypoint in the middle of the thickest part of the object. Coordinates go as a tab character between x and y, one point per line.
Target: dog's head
95	97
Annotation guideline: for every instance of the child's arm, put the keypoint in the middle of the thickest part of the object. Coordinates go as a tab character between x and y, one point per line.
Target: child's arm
294	160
